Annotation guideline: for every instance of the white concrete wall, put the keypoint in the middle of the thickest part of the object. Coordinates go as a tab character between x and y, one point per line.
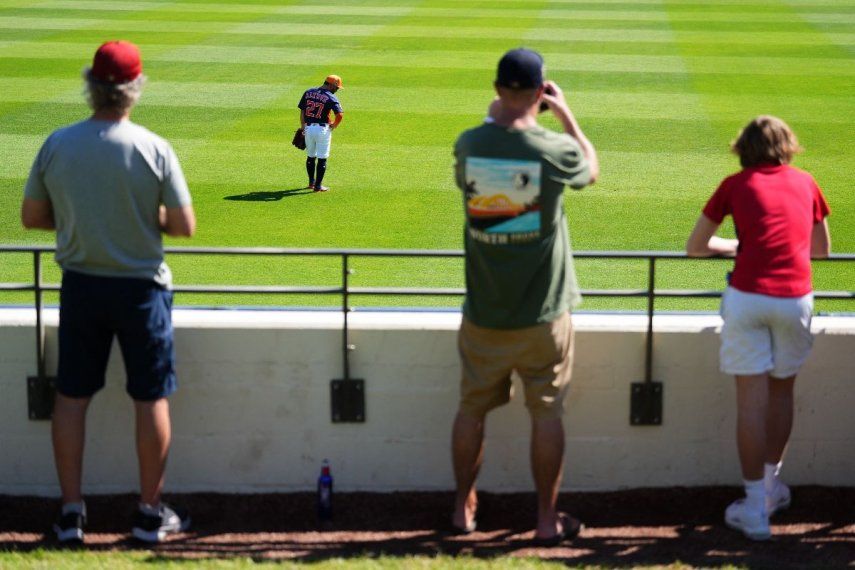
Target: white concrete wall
252	412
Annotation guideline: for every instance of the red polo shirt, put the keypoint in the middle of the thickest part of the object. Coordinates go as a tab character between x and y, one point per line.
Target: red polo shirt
774	209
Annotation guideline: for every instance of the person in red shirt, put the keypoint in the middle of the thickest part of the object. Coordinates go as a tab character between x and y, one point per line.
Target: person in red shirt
780	216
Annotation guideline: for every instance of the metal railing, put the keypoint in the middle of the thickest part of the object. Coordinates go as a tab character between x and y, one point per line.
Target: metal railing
647	392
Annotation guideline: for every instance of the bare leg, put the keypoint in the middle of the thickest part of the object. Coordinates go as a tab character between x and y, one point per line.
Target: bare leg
68	431
547	463
467	450
752	399
154	433
779	417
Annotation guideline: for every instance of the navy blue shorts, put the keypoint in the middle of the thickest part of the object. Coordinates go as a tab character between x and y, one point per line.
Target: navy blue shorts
138	312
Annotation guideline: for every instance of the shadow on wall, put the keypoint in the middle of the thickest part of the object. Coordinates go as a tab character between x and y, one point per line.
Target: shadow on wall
269	196
623	529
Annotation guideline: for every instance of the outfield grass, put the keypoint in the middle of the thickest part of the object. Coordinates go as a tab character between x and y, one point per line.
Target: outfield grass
659	87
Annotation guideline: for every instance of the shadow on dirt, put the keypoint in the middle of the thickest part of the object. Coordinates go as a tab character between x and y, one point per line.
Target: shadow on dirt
623	529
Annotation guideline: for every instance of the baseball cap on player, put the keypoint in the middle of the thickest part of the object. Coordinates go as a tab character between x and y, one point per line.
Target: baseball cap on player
116	62
520	69
334	80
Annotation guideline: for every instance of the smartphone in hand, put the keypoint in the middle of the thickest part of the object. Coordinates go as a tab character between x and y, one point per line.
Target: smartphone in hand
549	91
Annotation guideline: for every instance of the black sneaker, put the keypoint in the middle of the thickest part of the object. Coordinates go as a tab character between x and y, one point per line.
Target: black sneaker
69	528
155	528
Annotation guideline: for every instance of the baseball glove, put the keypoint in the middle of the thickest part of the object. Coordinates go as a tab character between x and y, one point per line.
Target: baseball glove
299	139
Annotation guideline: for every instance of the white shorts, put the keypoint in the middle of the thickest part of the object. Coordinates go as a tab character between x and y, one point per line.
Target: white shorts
764	334
318	139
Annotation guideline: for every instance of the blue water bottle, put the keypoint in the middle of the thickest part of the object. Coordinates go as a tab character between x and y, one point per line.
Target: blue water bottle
325	490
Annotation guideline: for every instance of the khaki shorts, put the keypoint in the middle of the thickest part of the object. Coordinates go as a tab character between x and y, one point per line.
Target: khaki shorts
542	355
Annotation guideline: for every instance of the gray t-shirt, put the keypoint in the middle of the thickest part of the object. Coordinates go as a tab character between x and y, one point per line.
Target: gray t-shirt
519	269
106	181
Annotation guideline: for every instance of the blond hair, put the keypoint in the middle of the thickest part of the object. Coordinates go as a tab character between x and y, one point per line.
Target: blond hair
765	140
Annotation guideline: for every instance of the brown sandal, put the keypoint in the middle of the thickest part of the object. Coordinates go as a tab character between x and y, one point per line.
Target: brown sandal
570	529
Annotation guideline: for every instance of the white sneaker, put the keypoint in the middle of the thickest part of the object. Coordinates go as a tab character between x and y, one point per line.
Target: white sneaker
155	528
779	499
69	528
753	524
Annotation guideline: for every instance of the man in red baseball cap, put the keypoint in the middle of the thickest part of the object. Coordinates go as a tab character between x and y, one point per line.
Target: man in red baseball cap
110	189
116	62
115	80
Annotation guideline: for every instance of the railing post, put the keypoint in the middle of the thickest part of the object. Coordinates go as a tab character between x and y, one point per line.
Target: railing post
40	331
651	303
40	388
345	309
347	395
645	406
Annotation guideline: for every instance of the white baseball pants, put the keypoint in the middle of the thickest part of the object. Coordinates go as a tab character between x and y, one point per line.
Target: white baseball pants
318	140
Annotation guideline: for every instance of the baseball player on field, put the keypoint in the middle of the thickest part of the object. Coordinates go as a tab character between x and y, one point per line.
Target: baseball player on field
316	105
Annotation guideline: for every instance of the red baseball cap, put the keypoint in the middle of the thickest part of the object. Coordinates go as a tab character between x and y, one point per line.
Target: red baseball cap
116	62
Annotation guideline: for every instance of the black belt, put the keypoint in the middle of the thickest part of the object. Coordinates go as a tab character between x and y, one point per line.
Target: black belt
318	124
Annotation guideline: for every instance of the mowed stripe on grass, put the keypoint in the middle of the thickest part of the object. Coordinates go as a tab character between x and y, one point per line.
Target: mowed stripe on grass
661	88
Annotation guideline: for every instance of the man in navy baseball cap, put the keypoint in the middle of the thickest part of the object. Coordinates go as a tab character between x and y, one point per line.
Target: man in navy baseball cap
520	68
520	281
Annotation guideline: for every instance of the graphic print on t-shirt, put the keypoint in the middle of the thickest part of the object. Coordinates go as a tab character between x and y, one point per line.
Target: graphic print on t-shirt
502	200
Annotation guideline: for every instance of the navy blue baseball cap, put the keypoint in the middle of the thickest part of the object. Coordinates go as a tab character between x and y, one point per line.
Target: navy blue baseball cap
520	68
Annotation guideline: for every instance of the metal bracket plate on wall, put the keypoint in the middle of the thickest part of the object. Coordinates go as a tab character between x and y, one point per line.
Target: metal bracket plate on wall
645	402
348	400
347	395
40	395
645	407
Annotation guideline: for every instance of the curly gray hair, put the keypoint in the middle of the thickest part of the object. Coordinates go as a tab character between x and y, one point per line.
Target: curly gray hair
120	97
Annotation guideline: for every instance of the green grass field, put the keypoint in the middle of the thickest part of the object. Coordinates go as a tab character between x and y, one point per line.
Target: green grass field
660	87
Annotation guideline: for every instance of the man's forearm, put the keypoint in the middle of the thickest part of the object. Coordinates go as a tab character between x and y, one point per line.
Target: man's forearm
722	246
37	214
177	222
572	128
44	224
714	246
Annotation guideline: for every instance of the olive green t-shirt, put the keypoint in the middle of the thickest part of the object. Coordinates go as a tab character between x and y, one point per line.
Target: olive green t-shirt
519	269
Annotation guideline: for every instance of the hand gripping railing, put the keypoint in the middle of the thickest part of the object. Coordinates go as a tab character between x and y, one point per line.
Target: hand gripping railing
347	393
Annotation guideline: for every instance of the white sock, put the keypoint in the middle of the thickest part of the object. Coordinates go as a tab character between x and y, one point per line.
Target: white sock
79	508
755	495
770	475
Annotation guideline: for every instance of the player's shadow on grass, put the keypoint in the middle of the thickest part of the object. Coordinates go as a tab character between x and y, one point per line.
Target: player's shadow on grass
269	196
